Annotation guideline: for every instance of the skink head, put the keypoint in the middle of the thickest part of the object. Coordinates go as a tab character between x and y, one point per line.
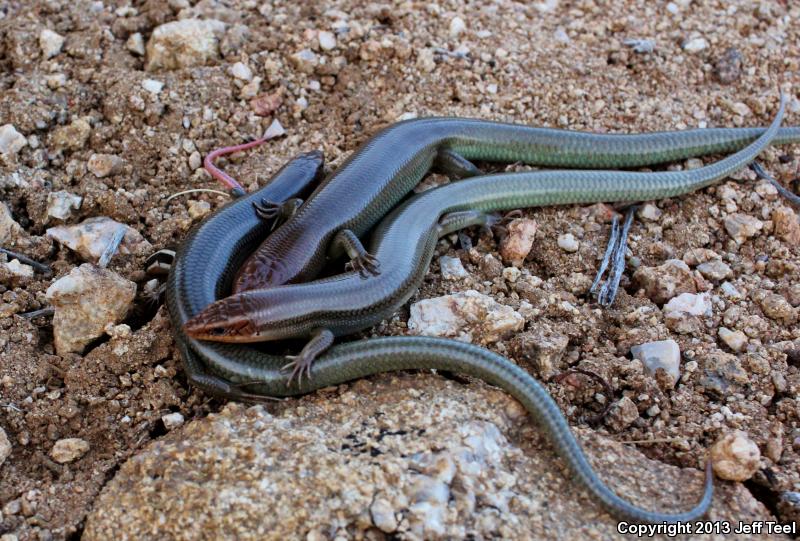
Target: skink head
223	321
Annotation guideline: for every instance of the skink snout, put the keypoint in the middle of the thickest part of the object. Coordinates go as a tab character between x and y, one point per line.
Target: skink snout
220	322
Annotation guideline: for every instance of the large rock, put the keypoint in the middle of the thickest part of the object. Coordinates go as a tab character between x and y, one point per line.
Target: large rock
180	44
409	456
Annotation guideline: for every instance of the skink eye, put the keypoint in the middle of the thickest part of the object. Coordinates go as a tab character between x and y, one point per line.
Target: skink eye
217	331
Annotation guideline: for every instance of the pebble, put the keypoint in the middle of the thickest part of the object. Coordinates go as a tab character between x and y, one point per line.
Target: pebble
516	246
198	209
511	274
11	141
172	420
383	516
735	340
663	354
715	270
742	227
8	227
72	136
153	86
304	61
103	165
69	450
545	347
5	447
735	457
457	27
622	414
682	313
266	104
787	226
730	291
60	204
665	281
50	43
18	271
776	307
649	212
242	71
86	301
195	160
464	315
728	68
184	43
135	44
695	45
327	40
91	238
696	256
722	373
568	243
452	268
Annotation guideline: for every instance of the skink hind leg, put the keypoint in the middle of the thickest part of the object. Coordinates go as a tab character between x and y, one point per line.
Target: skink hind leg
454	165
461	219
360	260
280	212
321	340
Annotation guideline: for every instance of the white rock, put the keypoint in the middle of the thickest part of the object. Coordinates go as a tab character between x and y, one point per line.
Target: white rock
54	82
457	27
184	43
452	268
715	269
730	291
665	354
195	160
69	450
464	315
695	45
91	238
8	227
305	60
383	515
689	303
649	212
5	447
275	129
327	40
103	165
736	340
86	301
198	209
568	243
516	246
50	43
172	420
152	86
11	141
742	227
18	270
735	456
135	44
242	71
511	274
61	204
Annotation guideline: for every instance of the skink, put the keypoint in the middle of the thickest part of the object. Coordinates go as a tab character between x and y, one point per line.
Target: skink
388	165
202	270
405	241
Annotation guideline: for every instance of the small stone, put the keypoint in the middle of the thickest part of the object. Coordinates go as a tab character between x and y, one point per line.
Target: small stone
568	243
56	81
5	447
452	268
304	61
464	315
135	44
172	420
61	204
722	373
622	414
735	340
383	516
69	450
792	293
649	212
198	209
91	238
18	271
715	270
695	45
152	86
490	266
73	136
742	227
516	246
694	163
86	301
776	307
735	457
327	40
195	160
683	313
728	68
457	27
511	274
545	348
696	256
730	291
184	43
50	43
787	226
8	227
663	354
266	104
11	141
275	129
665	281
425	60
103	165
242	71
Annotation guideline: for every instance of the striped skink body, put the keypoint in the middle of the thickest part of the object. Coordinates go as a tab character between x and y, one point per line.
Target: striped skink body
388	165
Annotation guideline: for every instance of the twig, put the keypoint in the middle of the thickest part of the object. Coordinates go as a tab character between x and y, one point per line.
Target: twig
44	269
47	312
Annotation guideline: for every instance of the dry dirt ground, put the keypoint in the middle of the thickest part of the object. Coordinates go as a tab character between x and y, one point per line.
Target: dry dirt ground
551	63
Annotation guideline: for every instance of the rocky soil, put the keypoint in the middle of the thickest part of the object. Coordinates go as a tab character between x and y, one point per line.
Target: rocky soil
106	110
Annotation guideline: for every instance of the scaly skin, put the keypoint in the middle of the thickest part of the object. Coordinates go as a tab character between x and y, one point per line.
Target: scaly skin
387	166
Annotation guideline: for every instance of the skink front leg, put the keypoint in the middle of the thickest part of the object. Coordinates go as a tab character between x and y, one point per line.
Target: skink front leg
454	165
321	340
360	260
